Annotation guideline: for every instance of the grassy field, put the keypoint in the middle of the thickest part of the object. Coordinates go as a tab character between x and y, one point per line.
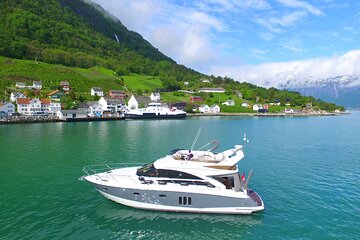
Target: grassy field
81	80
135	82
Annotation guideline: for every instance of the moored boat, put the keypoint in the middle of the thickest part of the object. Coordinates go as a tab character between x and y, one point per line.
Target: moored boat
155	110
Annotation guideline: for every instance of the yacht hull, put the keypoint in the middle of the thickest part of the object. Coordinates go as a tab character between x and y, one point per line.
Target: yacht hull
170	201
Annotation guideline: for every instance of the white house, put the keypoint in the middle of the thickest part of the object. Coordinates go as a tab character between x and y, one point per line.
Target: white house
54	107
84	107
289	111
155	97
96	109
245	104
256	107
65	85
16	95
71	114
204	108
229	103
112	105
212	90
205	81
20	85
37	85
138	101
27	106
7	107
96	91
214	109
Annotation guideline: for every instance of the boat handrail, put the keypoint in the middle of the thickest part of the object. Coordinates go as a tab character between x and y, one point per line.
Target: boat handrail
99	168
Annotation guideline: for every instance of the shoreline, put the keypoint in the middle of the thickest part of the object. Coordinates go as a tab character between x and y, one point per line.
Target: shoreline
25	120
266	114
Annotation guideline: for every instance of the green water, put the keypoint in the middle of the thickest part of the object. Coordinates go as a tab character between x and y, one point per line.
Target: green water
307	171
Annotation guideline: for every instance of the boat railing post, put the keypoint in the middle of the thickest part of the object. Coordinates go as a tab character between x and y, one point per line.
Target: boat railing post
248	180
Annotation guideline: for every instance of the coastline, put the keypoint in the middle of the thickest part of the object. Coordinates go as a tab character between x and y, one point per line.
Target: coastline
23	120
265	114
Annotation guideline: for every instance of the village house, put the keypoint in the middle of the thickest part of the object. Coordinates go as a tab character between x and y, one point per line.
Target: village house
205	80
71	114
196	99
214	109
256	107
27	106
186	83
7	108
95	109
117	94
136	102
54	107
16	95
179	105
229	103
245	105
155	97
289	111
56	95
204	108
112	105
20	85
212	90
96	91
49	107
37	85
82	106
65	85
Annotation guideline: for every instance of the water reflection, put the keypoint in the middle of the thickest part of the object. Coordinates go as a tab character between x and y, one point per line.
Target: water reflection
136	223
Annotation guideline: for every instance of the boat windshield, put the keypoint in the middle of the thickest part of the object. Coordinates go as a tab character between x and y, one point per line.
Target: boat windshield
146	170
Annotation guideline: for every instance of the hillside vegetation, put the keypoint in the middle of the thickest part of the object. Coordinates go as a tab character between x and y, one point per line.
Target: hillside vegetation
78	41
76	33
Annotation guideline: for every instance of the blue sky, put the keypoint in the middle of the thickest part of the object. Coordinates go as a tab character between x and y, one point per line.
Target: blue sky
223	37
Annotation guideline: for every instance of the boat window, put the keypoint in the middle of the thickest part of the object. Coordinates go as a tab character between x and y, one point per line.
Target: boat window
175	174
184	200
189	200
180	200
148	171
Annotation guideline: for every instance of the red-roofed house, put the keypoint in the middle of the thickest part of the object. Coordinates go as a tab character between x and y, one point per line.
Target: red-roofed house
65	85
27	106
196	99
117	94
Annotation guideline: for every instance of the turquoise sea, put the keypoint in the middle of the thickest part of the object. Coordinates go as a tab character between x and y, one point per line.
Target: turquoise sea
306	169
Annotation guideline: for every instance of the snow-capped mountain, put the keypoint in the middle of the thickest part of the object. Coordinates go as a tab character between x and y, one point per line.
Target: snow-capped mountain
335	79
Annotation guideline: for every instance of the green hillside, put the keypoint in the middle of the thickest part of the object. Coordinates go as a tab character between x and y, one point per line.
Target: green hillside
76	33
74	40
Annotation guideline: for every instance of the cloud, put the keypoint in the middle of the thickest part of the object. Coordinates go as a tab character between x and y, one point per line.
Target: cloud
295	74
302	4
181	32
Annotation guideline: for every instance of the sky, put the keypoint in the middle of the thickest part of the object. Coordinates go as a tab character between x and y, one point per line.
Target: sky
250	40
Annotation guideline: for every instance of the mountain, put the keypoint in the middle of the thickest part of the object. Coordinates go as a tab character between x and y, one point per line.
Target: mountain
82	34
343	90
335	79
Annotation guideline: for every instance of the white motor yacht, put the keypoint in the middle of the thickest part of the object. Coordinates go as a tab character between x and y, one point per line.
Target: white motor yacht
183	181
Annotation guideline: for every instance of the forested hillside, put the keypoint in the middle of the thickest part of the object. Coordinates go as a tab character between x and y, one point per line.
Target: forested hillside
75	33
79	34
